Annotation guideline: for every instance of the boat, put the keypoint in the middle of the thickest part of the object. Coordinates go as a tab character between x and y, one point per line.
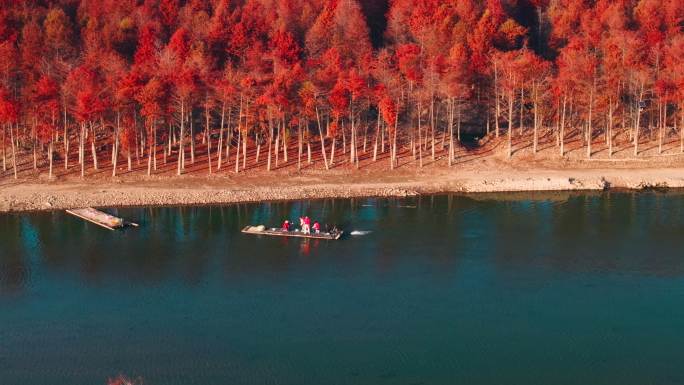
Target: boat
100	218
261	230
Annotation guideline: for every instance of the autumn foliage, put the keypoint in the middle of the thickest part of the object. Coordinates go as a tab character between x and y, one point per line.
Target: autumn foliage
170	78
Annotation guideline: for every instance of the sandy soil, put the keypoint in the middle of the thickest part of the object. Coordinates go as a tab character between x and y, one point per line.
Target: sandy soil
484	169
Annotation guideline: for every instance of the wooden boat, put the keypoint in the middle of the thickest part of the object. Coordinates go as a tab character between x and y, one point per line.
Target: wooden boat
100	218
261	230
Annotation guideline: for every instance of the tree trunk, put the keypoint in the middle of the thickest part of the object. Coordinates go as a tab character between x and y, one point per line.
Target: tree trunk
638	121
420	136
153	141
115	150
382	139
258	151
535	140
344	140
590	134
496	100
277	144
92	146
229	129
115	138
237	149
284	141
394	141
181	141
81	152
66	140
332	152
561	132
270	140
143	143
137	137
522	100
320	135
352	138
451	131
244	149
432	126
375	145
443	141
300	147
391	157
355	143
169	142
192	138
570	121
50	157
681	129
220	145
80	145
663	127
4	148
208	135
510	123
149	156
395	151
14	149
34	143
558	120
610	127
459	115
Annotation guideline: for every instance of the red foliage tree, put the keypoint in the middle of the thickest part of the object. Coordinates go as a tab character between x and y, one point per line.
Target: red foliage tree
146	53
390	114
169	10
581	69
408	60
47	98
150	99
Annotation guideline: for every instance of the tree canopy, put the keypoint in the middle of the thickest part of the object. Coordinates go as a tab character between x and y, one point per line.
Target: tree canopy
161	72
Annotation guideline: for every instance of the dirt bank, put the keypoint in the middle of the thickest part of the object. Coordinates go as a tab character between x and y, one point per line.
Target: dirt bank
486	168
30	195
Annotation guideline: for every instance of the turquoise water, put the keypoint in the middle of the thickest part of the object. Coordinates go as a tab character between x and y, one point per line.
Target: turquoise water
505	289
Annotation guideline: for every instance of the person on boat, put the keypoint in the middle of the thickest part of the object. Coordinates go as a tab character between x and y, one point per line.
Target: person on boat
316	227
286	225
301	223
306	229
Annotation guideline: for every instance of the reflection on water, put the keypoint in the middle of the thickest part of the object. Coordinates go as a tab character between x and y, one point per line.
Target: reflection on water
431	290
630	233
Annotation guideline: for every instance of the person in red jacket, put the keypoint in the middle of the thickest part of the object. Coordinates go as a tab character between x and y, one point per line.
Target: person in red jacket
286	225
305	225
316	227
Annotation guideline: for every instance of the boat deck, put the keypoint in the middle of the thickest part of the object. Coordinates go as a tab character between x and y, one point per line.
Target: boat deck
100	218
293	234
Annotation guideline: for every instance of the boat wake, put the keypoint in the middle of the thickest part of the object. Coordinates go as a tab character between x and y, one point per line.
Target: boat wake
360	232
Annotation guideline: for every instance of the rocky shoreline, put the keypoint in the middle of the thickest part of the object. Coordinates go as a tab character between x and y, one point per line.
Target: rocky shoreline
38	196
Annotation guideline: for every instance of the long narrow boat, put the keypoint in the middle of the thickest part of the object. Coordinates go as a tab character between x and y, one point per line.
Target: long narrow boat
260	230
100	218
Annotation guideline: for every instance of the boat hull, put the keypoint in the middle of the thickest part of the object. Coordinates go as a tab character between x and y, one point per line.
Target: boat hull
291	234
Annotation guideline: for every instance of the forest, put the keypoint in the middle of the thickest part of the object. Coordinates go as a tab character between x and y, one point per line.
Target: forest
259	84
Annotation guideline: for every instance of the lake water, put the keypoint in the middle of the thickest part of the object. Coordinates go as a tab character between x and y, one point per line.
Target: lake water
488	289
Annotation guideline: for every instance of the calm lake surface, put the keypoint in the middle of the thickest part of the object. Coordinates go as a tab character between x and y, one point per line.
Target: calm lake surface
498	289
